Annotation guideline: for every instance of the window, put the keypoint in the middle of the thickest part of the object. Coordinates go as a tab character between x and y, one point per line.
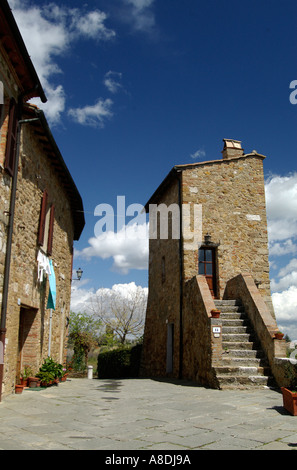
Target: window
46	225
205	262
11	142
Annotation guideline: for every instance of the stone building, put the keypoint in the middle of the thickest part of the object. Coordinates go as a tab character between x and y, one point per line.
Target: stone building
41	214
208	250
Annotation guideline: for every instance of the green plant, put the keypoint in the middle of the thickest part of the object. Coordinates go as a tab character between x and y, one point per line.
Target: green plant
52	367
121	362
45	377
291	375
27	372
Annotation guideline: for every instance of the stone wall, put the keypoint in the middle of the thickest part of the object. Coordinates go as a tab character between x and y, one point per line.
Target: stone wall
231	193
163	307
26	293
201	349
234	214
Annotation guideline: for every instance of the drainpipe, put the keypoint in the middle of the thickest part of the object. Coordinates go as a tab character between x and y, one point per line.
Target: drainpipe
9	238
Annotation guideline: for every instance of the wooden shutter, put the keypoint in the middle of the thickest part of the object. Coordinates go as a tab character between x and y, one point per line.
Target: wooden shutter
42	218
11	141
51	231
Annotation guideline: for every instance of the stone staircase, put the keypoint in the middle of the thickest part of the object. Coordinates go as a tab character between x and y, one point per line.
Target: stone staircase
243	363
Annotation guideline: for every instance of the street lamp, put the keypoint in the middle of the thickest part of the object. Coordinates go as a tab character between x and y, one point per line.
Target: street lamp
79	274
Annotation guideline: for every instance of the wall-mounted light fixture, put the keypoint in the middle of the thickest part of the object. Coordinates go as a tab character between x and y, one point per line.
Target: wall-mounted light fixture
79	274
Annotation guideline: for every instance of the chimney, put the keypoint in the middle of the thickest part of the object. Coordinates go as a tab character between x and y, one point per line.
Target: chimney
232	149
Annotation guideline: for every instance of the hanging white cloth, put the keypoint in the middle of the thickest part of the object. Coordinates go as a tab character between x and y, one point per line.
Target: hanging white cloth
43	266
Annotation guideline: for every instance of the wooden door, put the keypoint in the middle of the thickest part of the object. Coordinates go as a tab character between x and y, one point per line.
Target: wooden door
207	267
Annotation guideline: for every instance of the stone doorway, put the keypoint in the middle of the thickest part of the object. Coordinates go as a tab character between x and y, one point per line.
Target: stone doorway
28	339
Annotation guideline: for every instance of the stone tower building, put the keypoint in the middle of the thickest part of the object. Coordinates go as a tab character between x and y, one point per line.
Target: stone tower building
216	248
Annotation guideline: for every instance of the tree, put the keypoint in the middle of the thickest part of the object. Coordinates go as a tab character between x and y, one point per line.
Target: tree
121	310
83	336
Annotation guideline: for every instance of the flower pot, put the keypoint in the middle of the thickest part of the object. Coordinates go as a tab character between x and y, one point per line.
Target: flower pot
33	381
278	335
215	313
290	401
24	382
18	389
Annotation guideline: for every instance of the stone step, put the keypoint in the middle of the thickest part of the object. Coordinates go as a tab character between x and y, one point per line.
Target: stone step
236	382
228	321
230	308
223	370
243	361
227	302
238	345
248	353
239	329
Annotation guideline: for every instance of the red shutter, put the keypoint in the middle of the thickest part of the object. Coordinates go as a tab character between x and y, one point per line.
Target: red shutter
11	141
42	218
51	231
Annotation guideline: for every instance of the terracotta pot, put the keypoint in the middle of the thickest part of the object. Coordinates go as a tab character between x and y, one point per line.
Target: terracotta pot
278	335
18	388
215	313
24	382
33	381
289	401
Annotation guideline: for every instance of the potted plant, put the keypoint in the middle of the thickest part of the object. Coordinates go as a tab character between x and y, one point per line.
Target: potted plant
18	388
290	392
215	313
25	376
46	378
64	376
54	369
33	382
278	335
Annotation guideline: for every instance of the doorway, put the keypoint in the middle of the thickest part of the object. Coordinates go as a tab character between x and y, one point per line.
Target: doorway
28	341
207	267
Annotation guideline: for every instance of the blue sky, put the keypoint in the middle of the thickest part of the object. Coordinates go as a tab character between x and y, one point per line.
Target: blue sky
137	86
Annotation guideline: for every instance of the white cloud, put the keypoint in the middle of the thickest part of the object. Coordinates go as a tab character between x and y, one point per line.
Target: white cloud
49	32
140	15
281	199
93	115
128	248
285	307
285	248
112	81
82	299
198	154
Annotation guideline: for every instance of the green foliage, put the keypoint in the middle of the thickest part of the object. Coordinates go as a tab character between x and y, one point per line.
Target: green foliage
45	377
27	372
291	375
83	336
122	362
51	367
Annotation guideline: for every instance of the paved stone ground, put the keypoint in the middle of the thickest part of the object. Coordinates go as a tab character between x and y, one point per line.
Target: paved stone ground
144	414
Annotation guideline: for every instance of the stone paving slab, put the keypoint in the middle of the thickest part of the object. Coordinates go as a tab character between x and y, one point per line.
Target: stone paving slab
145	415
